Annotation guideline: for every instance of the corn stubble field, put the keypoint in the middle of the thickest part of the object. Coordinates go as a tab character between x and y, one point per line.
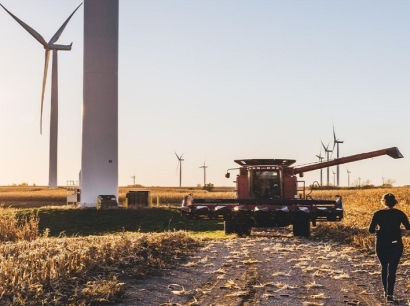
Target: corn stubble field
37	269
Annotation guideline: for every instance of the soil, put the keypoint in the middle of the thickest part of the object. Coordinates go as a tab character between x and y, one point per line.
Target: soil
269	269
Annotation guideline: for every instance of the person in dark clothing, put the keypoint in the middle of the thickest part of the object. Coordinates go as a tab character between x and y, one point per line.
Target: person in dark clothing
389	247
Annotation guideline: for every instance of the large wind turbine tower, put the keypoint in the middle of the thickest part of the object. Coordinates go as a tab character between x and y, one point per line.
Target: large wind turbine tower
99	157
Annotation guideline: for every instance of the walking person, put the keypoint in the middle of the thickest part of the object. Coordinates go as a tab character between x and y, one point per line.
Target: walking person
386	225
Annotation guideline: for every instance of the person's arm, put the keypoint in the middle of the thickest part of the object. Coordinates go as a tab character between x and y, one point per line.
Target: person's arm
405	232
373	223
406	224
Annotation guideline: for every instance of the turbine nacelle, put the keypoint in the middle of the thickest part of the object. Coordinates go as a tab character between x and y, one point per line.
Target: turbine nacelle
51	47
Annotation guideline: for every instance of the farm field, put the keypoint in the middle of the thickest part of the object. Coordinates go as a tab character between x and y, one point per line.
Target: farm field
37	196
57	254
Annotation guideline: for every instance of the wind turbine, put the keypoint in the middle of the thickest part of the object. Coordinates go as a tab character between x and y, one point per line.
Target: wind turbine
180	160
348	177
336	143
204	173
320	160
327	151
334	178
133	177
50	46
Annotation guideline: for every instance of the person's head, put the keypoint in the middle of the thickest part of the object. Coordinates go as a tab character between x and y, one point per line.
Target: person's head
389	200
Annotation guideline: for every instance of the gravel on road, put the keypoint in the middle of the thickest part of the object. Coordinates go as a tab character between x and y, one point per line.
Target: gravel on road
269	270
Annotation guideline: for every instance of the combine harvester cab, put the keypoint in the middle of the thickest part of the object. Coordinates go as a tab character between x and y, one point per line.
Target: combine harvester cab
269	195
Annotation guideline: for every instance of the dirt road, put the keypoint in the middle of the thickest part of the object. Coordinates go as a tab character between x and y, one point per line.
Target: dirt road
269	271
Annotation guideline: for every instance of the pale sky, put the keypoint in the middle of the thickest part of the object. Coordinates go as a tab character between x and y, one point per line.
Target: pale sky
216	81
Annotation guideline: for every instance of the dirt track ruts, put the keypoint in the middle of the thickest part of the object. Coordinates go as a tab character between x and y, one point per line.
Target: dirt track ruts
273	270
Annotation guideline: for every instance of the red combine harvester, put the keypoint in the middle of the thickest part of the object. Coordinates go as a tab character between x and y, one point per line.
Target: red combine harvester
269	195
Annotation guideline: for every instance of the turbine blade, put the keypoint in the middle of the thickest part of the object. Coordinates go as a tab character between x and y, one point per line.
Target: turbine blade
32	32
323	146
177	155
61	29
334	135
47	57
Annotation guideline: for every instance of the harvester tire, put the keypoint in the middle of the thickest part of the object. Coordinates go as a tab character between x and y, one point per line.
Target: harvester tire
301	227
244	228
230	227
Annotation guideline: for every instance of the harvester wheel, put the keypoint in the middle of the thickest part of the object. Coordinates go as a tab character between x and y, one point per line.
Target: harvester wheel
301	227
244	228
230	227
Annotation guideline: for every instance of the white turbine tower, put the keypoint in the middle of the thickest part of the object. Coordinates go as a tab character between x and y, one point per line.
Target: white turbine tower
50	46
327	151
99	152
180	160
348	177
320	160
336	143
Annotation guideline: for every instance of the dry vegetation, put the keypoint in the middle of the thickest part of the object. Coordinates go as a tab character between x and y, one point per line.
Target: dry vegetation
36	269
35	196
359	206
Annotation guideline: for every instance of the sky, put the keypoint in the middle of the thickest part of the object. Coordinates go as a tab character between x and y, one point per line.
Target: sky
217	81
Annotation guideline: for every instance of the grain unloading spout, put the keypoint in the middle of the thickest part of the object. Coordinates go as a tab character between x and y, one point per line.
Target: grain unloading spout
392	152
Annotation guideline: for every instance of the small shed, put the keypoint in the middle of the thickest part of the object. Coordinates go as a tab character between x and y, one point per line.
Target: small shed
137	198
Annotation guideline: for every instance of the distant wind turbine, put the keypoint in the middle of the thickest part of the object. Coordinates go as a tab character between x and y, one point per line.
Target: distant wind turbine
334	178
336	143
320	160
204	173
50	46
327	151
348	177
180	160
